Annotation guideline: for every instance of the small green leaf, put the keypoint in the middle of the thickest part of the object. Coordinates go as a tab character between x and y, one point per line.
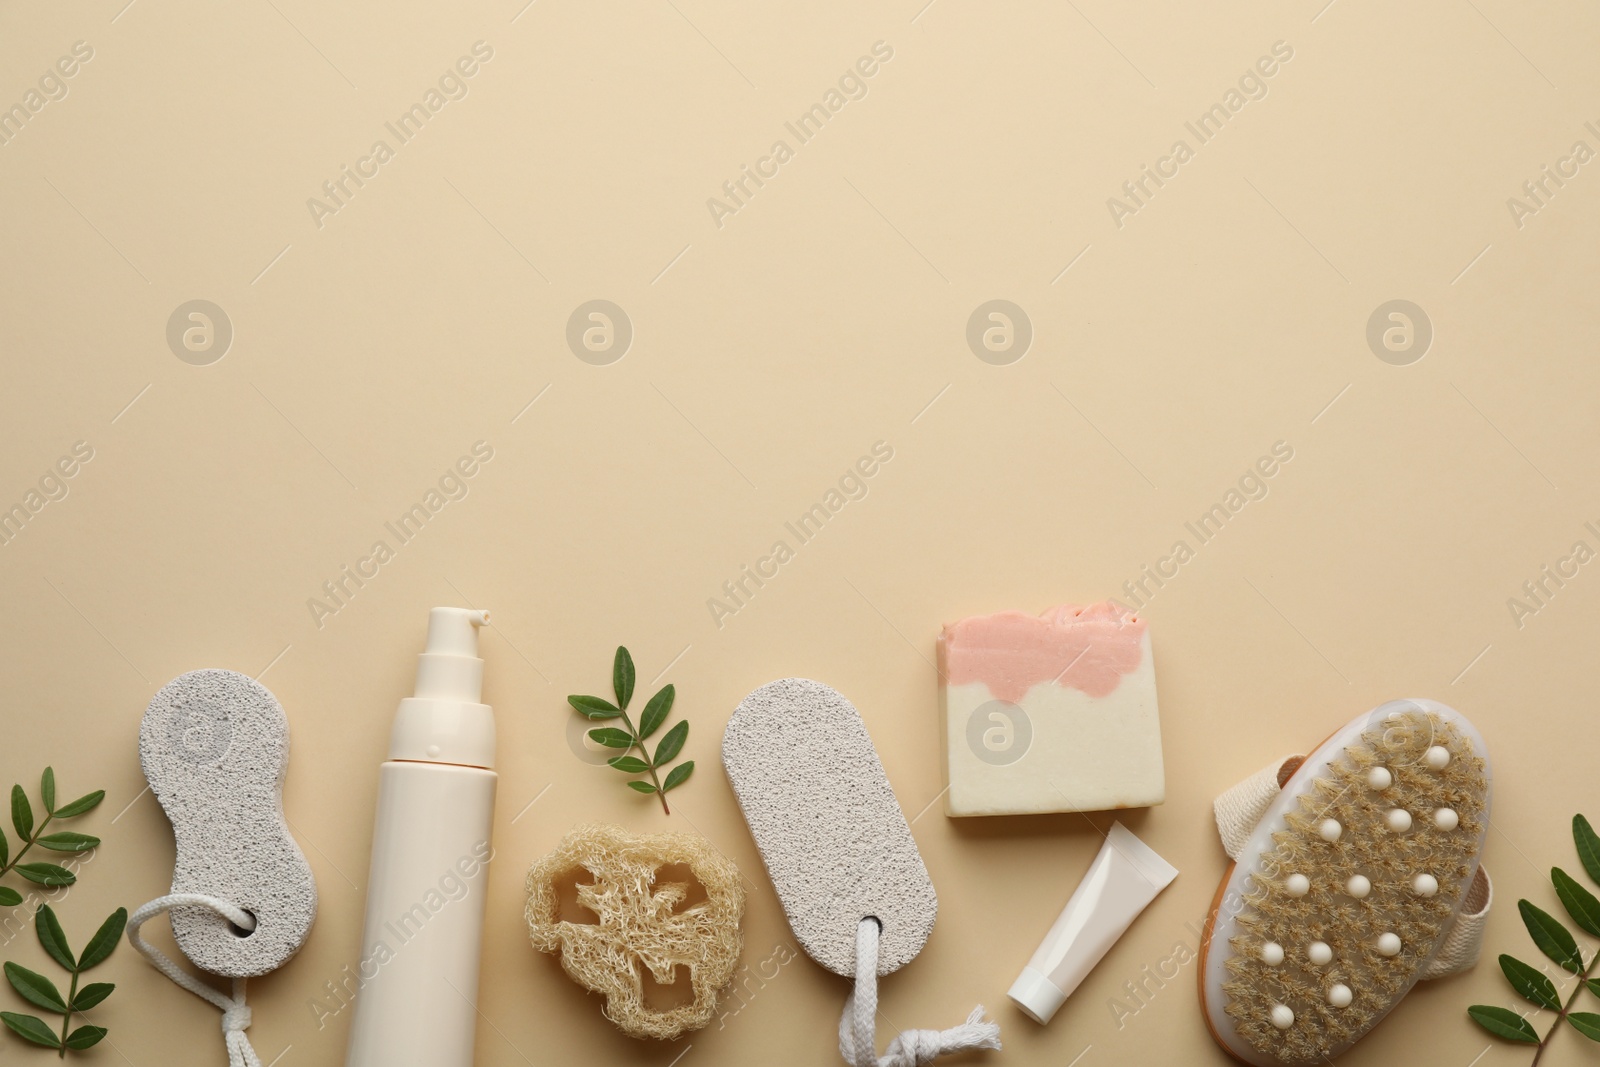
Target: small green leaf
5	848
672	744
629	764
45	874
104	941
85	1037
1553	939
622	677
81	805
611	738
21	813
67	841
1579	902
655	712
1594	986
36	989
678	775
9	897
1532	985
1586	1023
1588	843
47	790
31	1028
641	787
1503	1022
53	938
594	707
91	994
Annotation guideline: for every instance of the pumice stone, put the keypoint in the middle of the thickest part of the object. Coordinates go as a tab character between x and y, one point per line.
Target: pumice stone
214	745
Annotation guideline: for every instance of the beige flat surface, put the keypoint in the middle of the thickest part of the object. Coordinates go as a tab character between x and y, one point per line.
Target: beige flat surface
828	313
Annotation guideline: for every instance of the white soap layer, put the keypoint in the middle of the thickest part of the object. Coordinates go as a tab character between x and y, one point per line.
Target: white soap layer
1081	753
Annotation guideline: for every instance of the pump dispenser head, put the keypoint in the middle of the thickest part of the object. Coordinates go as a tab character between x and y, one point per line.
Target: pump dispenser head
455	630
445	721
449	667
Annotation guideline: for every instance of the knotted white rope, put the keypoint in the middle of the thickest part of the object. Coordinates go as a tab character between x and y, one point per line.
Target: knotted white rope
913	1048
235	1013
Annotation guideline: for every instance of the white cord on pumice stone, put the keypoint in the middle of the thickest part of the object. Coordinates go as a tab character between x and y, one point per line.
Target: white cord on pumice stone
913	1048
235	1014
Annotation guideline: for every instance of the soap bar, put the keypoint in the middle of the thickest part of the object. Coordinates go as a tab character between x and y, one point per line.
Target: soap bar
1052	712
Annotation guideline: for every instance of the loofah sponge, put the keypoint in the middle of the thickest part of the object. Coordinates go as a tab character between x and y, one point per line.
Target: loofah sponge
1361	877
214	745
641	921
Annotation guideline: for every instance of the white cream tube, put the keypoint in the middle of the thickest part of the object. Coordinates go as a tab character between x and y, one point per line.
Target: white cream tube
1124	878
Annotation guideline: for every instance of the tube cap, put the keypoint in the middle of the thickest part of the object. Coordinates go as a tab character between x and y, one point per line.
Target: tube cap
1036	995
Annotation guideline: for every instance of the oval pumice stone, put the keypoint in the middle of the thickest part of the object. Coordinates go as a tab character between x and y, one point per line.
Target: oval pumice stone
827	824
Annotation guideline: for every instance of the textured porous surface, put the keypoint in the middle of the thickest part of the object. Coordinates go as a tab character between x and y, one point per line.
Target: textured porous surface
642	921
214	745
829	829
1350	927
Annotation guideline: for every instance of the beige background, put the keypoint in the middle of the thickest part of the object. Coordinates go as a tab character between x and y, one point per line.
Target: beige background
829	313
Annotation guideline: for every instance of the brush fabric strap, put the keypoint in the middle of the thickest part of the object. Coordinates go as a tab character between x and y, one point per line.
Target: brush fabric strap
235	1013
1239	810
1463	941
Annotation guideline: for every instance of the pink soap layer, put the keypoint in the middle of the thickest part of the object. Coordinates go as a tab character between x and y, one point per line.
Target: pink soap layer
1086	648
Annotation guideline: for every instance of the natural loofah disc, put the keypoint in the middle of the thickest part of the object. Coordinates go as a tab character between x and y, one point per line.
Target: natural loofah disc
641	922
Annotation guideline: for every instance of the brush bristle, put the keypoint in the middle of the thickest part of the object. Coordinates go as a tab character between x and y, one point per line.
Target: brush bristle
1368	846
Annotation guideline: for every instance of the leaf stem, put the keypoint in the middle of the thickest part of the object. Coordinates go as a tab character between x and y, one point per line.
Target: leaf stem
66	1020
649	763
1566	1009
38	832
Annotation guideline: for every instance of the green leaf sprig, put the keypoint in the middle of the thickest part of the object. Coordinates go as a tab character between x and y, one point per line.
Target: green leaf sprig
29	835
41	992
655	712
1552	937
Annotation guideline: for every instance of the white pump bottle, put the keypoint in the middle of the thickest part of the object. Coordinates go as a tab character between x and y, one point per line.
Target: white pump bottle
416	1005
